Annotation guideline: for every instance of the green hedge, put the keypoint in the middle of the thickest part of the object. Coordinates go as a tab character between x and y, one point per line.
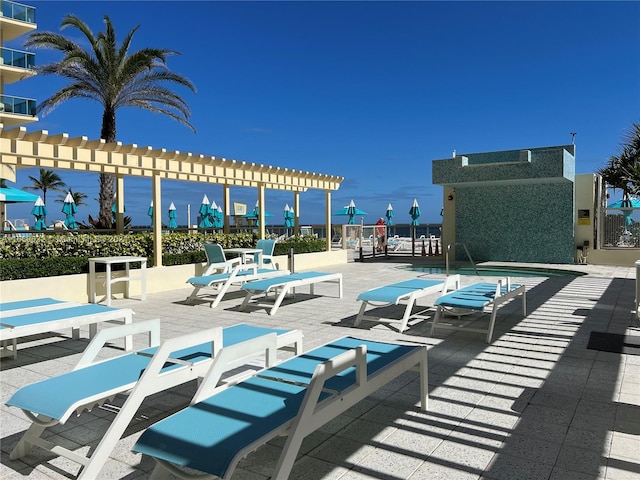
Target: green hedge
52	255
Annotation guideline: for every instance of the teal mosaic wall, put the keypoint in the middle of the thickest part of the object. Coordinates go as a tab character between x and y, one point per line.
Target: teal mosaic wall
516	223
515	205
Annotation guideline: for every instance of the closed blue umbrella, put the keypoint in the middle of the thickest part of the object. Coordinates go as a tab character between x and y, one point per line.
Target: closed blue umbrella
389	215
172	216
39	211
351	211
205	214
69	209
414	211
218	217
40	225
150	212
288	216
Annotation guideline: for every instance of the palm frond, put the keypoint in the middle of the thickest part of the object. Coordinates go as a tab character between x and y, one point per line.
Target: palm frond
50	40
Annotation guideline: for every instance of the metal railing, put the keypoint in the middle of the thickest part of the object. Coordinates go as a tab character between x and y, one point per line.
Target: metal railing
19	105
18	11
446	258
621	228
17	58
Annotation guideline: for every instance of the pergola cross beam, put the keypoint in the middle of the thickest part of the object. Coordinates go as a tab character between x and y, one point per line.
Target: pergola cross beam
19	149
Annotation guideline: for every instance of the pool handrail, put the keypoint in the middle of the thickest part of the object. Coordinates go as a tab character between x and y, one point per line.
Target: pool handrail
446	257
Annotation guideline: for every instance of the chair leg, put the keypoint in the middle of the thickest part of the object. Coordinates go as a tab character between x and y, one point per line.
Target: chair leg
25	443
407	314
159	473
278	301
360	314
492	323
222	290
193	295
435	321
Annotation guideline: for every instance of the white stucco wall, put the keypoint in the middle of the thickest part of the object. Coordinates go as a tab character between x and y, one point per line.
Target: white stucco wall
75	288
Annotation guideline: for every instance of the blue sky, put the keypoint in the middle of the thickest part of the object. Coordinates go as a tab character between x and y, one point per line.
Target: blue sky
371	91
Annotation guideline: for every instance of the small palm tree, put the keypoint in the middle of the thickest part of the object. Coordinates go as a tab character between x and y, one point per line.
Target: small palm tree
623	170
78	198
108	74
48	180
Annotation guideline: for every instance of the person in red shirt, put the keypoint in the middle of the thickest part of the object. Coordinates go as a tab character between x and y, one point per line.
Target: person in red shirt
381	233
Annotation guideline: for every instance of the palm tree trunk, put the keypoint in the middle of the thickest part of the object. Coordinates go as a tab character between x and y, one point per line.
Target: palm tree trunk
107	180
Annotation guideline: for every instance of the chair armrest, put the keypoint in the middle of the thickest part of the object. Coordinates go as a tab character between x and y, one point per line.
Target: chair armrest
112	333
234	260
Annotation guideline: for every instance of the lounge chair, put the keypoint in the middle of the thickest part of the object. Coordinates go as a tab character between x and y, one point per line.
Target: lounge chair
353	243
140	374
408	291
267	257
336	237
295	398
49	318
393	243
284	284
221	282
217	261
22	307
473	299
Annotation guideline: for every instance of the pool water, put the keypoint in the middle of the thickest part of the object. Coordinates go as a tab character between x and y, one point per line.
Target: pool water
494	271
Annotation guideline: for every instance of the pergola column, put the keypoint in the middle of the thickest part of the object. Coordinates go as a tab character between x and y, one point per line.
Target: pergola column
296	211
329	233
119	203
157	219
261	230
226	200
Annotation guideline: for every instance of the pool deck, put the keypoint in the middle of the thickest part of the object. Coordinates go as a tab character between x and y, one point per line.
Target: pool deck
533	404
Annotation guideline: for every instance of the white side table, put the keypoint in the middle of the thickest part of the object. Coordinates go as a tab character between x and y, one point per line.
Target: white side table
246	253
108	261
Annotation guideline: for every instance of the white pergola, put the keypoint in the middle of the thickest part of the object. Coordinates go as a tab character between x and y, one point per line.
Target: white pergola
22	149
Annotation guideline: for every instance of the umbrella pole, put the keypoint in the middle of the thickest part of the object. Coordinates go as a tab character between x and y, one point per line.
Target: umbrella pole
413	241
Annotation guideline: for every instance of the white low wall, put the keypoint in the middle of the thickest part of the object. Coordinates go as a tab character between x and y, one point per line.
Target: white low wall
624	257
75	288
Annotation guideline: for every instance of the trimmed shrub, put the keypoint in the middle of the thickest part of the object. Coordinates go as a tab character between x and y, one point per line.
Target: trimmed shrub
305	244
18	268
52	255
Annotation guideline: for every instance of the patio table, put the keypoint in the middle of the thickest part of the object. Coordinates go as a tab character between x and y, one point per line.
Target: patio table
108	261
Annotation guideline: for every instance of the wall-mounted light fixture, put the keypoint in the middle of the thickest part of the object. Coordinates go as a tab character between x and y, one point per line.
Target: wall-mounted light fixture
450	197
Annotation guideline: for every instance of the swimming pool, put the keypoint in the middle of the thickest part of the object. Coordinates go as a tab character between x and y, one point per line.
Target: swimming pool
493	271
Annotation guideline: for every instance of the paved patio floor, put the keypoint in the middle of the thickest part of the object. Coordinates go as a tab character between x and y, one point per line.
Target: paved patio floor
534	404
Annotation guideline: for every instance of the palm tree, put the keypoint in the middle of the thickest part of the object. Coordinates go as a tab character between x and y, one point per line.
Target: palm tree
623	170
108	74
48	180
78	198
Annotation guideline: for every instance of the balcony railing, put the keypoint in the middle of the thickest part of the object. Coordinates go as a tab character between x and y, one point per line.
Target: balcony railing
18	105
16	58
18	11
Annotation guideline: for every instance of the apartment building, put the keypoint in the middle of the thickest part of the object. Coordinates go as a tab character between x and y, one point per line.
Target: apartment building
16	20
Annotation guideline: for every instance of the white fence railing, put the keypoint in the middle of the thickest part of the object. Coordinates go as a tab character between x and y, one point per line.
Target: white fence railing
621	227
